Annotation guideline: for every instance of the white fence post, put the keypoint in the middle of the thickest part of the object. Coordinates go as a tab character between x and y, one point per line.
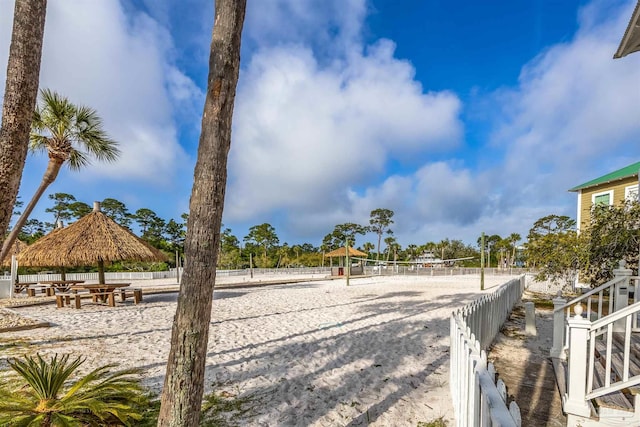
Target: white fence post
477	400
622	293
558	327
575	402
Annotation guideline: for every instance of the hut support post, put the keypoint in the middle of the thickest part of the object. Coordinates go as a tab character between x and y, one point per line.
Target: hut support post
101	272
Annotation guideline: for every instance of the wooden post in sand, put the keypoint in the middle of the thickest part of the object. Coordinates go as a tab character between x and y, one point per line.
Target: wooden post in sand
482	261
251	264
347	262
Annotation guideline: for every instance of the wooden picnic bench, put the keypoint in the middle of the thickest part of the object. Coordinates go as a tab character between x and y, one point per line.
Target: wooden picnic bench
65	297
101	292
18	287
45	289
136	293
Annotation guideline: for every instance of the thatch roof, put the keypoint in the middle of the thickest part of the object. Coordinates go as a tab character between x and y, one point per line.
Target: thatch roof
17	246
342	252
92	239
631	39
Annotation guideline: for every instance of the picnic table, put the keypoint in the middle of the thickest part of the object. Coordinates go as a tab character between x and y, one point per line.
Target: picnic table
100	292
60	285
18	287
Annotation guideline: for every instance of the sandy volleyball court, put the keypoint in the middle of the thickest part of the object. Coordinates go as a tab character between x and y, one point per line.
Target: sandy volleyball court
308	354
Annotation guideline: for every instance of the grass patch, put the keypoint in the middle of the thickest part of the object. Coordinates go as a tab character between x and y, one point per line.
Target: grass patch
438	422
150	415
220	409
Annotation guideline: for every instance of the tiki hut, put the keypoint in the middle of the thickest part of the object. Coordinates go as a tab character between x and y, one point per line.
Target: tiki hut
17	246
93	239
630	42
341	254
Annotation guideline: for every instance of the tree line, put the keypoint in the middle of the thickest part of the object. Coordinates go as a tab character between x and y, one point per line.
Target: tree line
562	254
261	246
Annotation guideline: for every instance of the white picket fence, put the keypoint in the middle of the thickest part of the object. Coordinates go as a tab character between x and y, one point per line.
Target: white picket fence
147	275
109	276
478	400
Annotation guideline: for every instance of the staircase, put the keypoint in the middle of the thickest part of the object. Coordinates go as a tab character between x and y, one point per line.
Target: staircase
597	355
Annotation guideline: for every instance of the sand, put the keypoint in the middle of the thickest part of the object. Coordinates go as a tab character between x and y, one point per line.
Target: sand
308	354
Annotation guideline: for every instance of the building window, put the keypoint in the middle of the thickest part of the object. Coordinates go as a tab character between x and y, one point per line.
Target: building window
604	198
631	193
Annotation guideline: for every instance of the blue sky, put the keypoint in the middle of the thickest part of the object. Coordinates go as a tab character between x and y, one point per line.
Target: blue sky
462	117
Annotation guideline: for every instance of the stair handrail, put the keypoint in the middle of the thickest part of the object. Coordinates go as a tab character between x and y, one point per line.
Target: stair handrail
621	320
604	321
594	291
561	332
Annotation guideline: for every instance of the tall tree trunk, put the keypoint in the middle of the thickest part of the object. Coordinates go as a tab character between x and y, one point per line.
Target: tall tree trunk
49	176
20	94
184	381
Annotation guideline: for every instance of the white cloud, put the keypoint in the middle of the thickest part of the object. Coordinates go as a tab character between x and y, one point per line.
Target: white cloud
305	134
574	114
572	117
330	27
323	120
98	56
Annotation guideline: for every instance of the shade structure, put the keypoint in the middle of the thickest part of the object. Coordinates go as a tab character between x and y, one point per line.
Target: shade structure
17	246
93	239
341	252
630	42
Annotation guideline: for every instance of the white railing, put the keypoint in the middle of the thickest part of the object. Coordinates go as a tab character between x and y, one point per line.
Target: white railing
592	331
620	323
478	400
612	295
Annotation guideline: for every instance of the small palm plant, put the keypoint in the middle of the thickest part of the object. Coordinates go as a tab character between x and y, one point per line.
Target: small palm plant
49	398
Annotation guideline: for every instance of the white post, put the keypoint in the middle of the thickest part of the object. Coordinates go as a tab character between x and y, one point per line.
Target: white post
558	327
530	318
14	274
622	293
575	402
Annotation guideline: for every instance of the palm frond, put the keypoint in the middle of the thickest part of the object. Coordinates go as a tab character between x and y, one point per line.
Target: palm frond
46	378
78	160
70	133
102	397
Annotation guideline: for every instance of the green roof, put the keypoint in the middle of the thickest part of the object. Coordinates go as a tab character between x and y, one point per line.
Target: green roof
623	173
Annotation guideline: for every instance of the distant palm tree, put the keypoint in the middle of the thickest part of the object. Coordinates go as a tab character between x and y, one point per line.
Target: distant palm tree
48	399
69	134
390	242
514	238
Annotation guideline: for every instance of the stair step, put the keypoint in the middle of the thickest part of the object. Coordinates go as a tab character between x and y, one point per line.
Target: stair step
617	361
615	400
618	338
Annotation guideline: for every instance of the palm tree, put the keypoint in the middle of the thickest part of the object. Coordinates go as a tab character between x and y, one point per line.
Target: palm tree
20	94
389	241
48	398
69	134
514	238
183	388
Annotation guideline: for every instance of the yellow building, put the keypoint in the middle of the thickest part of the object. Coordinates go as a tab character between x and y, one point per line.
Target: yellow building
610	189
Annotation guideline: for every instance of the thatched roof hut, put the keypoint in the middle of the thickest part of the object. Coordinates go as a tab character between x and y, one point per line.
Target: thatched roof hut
17	246
342	252
95	238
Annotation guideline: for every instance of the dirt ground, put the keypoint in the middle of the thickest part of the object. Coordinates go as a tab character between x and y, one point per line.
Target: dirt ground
523	363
